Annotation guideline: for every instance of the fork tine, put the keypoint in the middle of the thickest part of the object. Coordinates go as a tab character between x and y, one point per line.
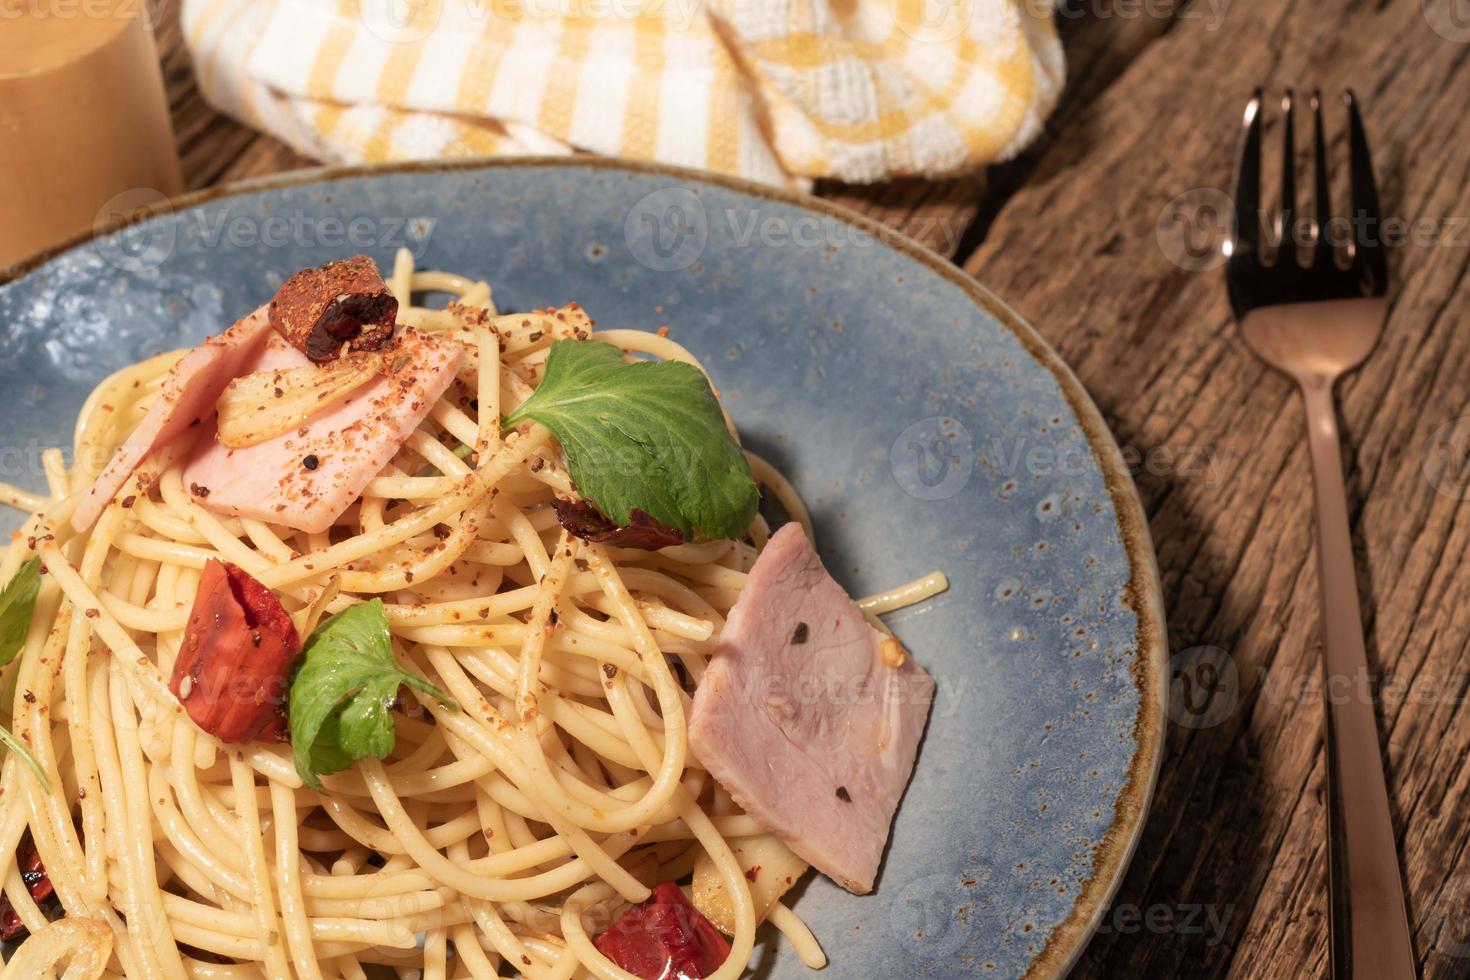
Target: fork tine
1246	235
1322	194
1368	253
1286	218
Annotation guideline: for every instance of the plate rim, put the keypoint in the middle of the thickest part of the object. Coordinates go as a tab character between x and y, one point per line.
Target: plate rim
1143	593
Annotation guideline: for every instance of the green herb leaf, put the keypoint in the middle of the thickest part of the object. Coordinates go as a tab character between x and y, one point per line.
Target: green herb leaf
342	696
14	744
17	604
647	435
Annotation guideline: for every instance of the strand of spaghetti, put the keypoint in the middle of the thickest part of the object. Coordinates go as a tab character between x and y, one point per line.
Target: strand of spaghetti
898	597
400	280
146	964
786	496
487	391
54	468
205	865
808	950
50	816
528	681
134	792
267	923
603	861
467	948
288	883
21	499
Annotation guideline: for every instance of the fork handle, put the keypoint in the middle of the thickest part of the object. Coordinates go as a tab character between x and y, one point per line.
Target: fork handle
1369	922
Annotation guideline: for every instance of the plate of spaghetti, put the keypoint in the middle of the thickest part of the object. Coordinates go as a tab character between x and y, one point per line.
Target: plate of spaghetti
557	569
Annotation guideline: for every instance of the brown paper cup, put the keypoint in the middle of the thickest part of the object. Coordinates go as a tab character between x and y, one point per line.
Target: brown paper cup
83	119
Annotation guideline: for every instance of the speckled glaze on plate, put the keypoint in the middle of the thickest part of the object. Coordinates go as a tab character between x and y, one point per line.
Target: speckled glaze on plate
926	425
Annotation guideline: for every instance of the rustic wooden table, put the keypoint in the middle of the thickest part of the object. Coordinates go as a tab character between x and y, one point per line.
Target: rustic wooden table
1229	878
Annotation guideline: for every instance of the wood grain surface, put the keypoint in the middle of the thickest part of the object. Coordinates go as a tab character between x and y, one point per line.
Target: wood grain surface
1096	237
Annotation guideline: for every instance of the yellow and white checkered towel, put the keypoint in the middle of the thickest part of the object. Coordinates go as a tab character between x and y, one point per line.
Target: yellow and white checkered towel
781	91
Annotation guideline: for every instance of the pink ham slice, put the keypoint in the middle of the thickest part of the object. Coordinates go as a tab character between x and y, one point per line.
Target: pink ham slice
187	398
801	719
350	442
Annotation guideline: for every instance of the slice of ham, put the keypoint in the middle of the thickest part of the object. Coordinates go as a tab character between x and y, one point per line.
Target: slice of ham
307	478
803	720
187	398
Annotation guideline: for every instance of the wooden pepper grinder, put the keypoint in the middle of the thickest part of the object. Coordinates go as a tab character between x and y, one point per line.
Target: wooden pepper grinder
83	118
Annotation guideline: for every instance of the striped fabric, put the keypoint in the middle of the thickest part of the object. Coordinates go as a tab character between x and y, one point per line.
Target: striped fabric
781	91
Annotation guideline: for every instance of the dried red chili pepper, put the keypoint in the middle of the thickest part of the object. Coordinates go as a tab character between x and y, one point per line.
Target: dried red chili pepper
318	310
239	648
665	938
588	523
33	873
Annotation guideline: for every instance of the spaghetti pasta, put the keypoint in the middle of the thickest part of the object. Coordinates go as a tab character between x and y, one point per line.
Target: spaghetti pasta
496	839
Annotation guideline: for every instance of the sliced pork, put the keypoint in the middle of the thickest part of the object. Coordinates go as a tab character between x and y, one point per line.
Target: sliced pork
307	478
810	717
187	398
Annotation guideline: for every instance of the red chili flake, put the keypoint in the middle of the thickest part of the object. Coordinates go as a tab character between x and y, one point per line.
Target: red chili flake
33	874
321	310
585	521
665	938
239	648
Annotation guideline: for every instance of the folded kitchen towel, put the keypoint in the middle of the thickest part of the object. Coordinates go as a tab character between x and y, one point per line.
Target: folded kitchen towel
781	91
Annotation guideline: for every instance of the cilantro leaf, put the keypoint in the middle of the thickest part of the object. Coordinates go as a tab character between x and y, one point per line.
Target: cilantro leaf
14	744
643	436
342	696
17	604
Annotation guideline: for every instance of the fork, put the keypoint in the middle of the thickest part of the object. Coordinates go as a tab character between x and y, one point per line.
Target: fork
1314	318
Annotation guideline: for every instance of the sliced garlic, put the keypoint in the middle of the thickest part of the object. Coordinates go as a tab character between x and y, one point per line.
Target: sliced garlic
266	404
769	866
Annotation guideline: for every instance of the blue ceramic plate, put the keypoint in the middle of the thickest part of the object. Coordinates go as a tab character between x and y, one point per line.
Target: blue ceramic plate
927	426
